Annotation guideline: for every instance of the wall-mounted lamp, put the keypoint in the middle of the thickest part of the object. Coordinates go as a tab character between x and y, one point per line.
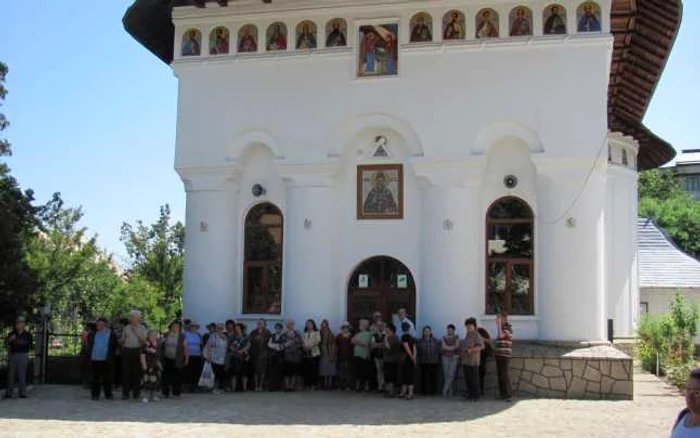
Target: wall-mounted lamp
307	224
448	225
258	190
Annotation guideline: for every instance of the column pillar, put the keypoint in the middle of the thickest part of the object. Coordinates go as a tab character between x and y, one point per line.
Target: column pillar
212	287
622	289
450	233
310	250
571	259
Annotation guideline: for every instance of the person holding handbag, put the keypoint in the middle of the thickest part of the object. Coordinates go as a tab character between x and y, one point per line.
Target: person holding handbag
215	353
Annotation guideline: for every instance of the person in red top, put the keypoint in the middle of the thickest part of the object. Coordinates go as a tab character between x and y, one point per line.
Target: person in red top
344	350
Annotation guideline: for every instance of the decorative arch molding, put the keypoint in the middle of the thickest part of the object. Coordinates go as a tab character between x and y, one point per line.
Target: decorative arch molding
491	134
340	139
250	138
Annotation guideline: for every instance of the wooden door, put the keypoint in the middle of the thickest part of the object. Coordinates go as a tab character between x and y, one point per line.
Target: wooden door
380	283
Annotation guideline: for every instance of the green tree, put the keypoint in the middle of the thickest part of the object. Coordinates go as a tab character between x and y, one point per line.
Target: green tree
18	222
4	143
62	257
156	255
662	198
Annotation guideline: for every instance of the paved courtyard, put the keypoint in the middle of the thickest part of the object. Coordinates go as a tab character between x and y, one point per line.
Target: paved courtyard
64	411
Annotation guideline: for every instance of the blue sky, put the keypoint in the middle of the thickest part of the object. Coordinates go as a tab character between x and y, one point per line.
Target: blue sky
93	112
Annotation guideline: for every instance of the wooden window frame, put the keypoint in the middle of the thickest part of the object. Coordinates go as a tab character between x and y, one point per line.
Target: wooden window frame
509	262
264	264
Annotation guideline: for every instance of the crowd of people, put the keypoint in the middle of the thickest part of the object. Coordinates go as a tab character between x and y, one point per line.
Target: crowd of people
376	356
386	357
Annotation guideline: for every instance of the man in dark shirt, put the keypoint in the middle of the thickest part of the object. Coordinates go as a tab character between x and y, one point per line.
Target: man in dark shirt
19	342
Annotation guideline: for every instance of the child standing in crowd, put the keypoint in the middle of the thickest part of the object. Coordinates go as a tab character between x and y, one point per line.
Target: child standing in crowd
151	367
408	367
327	368
392	356
363	367
471	355
450	359
345	355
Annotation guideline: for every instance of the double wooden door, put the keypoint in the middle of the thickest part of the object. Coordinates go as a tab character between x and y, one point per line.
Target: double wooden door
380	284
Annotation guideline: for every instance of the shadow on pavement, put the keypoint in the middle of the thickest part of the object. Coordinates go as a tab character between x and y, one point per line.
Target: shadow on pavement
69	403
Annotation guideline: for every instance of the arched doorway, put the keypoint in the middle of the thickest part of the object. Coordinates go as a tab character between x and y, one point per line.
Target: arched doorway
380	283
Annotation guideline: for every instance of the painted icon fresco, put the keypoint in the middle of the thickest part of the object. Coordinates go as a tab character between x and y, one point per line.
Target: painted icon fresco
421	28
554	18
378	50
487	24
380	191
520	20
306	35
336	33
219	41
248	39
276	37
192	43
588	17
453	26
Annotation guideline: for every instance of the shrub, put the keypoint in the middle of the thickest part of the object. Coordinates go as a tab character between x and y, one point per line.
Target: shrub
666	341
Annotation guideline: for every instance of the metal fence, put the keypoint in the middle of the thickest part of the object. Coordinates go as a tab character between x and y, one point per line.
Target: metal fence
62	364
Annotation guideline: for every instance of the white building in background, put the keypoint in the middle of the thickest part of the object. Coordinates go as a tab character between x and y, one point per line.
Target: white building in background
451	157
664	271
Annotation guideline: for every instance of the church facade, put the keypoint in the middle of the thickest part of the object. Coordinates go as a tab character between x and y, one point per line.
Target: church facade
454	158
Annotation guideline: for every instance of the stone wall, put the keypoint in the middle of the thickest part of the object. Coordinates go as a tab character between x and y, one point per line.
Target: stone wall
561	371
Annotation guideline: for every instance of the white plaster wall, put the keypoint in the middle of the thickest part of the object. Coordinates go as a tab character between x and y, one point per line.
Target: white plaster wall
622	304
447	109
658	300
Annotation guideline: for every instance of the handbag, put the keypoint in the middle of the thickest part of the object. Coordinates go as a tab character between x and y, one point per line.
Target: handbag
206	379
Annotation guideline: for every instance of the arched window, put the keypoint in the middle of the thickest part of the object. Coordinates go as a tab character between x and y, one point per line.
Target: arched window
262	278
191	43
509	257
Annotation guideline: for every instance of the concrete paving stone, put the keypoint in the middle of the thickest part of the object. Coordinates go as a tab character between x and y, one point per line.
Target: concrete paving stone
67	412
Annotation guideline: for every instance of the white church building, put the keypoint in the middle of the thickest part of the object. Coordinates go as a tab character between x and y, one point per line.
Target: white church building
455	158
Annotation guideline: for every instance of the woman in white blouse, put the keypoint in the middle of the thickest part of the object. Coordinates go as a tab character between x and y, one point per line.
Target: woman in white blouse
312	354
